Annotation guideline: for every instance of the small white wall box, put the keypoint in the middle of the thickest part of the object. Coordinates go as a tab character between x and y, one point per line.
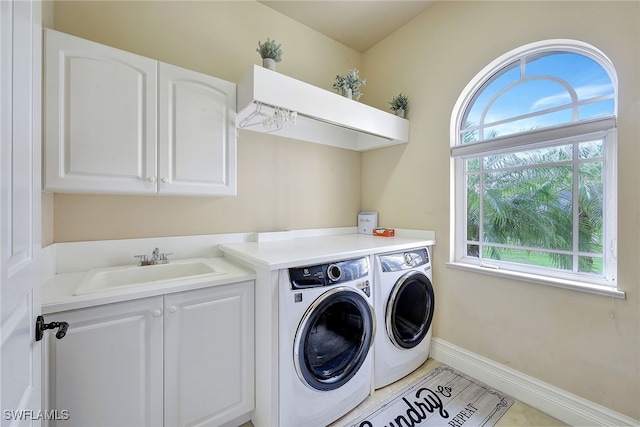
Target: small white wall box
367	222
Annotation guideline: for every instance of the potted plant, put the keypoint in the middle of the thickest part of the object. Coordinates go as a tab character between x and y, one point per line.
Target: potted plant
349	84
399	104
270	52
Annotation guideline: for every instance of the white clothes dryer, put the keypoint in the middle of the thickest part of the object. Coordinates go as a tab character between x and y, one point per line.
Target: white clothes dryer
326	332
404	306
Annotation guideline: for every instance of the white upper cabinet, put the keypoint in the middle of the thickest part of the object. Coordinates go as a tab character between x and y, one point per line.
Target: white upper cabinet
100	117
197	131
121	123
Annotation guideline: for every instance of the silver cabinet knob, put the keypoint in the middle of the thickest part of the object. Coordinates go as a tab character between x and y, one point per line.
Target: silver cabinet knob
164	180
152	179
173	309
157	312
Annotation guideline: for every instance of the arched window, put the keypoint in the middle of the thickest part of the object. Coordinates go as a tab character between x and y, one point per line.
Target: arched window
534	150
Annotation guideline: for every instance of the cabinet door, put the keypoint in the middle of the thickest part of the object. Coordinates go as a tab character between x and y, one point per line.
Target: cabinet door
197	135
100	114
209	355
107	370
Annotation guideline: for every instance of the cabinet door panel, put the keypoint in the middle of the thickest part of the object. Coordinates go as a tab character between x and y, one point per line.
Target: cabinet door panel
209	355
197	139
100	113
107	370
102	120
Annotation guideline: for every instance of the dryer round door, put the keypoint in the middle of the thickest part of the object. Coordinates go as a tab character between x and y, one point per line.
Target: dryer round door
410	310
333	339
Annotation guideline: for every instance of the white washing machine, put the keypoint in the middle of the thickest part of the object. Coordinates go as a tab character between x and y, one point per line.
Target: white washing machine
404	306
326	332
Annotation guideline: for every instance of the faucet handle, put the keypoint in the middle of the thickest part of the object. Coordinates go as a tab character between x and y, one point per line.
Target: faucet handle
143	259
163	258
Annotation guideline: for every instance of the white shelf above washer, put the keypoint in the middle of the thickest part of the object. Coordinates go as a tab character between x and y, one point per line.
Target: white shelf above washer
320	116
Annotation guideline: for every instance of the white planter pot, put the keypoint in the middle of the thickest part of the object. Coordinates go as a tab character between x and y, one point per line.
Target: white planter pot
400	112
269	63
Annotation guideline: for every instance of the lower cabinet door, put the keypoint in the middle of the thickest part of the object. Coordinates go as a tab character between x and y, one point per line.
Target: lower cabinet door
208	364
107	370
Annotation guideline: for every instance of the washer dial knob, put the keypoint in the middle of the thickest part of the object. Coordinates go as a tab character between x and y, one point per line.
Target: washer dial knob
408	259
334	272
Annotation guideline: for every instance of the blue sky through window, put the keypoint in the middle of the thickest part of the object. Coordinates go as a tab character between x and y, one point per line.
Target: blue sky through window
544	90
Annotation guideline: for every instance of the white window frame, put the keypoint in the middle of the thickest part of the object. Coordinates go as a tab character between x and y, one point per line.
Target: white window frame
601	128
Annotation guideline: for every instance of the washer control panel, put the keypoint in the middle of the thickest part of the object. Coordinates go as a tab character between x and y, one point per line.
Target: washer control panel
404	260
329	274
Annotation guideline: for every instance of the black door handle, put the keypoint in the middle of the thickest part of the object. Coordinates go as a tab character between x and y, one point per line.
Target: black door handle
41	327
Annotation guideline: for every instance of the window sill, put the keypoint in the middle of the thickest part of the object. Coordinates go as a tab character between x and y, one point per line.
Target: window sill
558	283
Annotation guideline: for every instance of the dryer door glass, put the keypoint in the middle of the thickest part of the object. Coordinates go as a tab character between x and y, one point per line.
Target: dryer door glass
410	310
333	339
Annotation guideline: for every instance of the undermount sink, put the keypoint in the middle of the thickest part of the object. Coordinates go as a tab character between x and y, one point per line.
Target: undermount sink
106	279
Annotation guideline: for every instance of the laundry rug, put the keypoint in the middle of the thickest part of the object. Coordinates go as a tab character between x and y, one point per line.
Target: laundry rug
443	397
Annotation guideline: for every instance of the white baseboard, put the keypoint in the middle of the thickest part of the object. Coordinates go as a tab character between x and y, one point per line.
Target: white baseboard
558	403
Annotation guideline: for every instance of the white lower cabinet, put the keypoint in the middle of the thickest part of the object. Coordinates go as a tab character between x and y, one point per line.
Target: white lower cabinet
208	355
107	370
174	360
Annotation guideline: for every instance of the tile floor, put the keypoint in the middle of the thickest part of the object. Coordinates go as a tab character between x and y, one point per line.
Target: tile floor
518	414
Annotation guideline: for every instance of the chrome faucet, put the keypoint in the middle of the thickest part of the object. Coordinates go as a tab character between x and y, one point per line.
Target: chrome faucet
156	258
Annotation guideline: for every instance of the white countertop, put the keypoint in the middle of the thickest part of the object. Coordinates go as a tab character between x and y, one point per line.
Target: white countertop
270	251
296	252
58	291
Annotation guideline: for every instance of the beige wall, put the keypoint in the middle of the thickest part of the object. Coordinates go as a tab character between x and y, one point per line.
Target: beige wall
562	337
282	184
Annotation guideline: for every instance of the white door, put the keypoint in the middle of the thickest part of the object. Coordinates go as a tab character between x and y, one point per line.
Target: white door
197	135
20	281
